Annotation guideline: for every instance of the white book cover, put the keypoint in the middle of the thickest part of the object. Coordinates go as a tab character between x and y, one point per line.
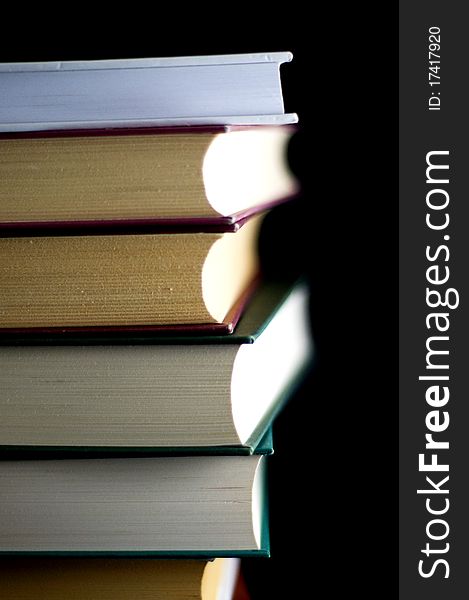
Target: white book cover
238	89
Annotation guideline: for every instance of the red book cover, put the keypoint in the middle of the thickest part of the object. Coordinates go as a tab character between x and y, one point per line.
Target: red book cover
241	591
129	225
197	329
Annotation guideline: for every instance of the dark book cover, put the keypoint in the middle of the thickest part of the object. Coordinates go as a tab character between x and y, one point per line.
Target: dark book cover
265	448
218	223
260	311
249	317
263	445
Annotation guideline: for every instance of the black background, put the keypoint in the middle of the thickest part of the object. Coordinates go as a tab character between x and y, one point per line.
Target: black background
333	478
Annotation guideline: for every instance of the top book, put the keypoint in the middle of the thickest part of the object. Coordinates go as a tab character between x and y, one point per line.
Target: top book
238	89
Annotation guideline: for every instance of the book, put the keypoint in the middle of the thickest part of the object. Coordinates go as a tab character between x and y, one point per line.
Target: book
228	89
127	280
153	392
241	591
173	179
56	578
177	506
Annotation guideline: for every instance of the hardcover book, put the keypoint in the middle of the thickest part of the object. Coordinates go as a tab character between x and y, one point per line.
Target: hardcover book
229	89
144	179
153	392
191	506
56	578
132	281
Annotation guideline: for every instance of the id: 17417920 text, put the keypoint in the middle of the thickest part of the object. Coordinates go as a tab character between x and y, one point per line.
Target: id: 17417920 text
434	66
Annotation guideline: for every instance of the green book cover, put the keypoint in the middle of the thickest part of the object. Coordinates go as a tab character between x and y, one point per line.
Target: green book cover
69	419
89	505
264	446
262	552
259	311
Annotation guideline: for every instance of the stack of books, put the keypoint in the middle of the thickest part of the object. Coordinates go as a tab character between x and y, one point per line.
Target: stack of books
142	355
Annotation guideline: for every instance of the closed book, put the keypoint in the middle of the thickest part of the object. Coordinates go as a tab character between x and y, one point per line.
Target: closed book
165	393
180	179
128	280
226	89
177	506
56	578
